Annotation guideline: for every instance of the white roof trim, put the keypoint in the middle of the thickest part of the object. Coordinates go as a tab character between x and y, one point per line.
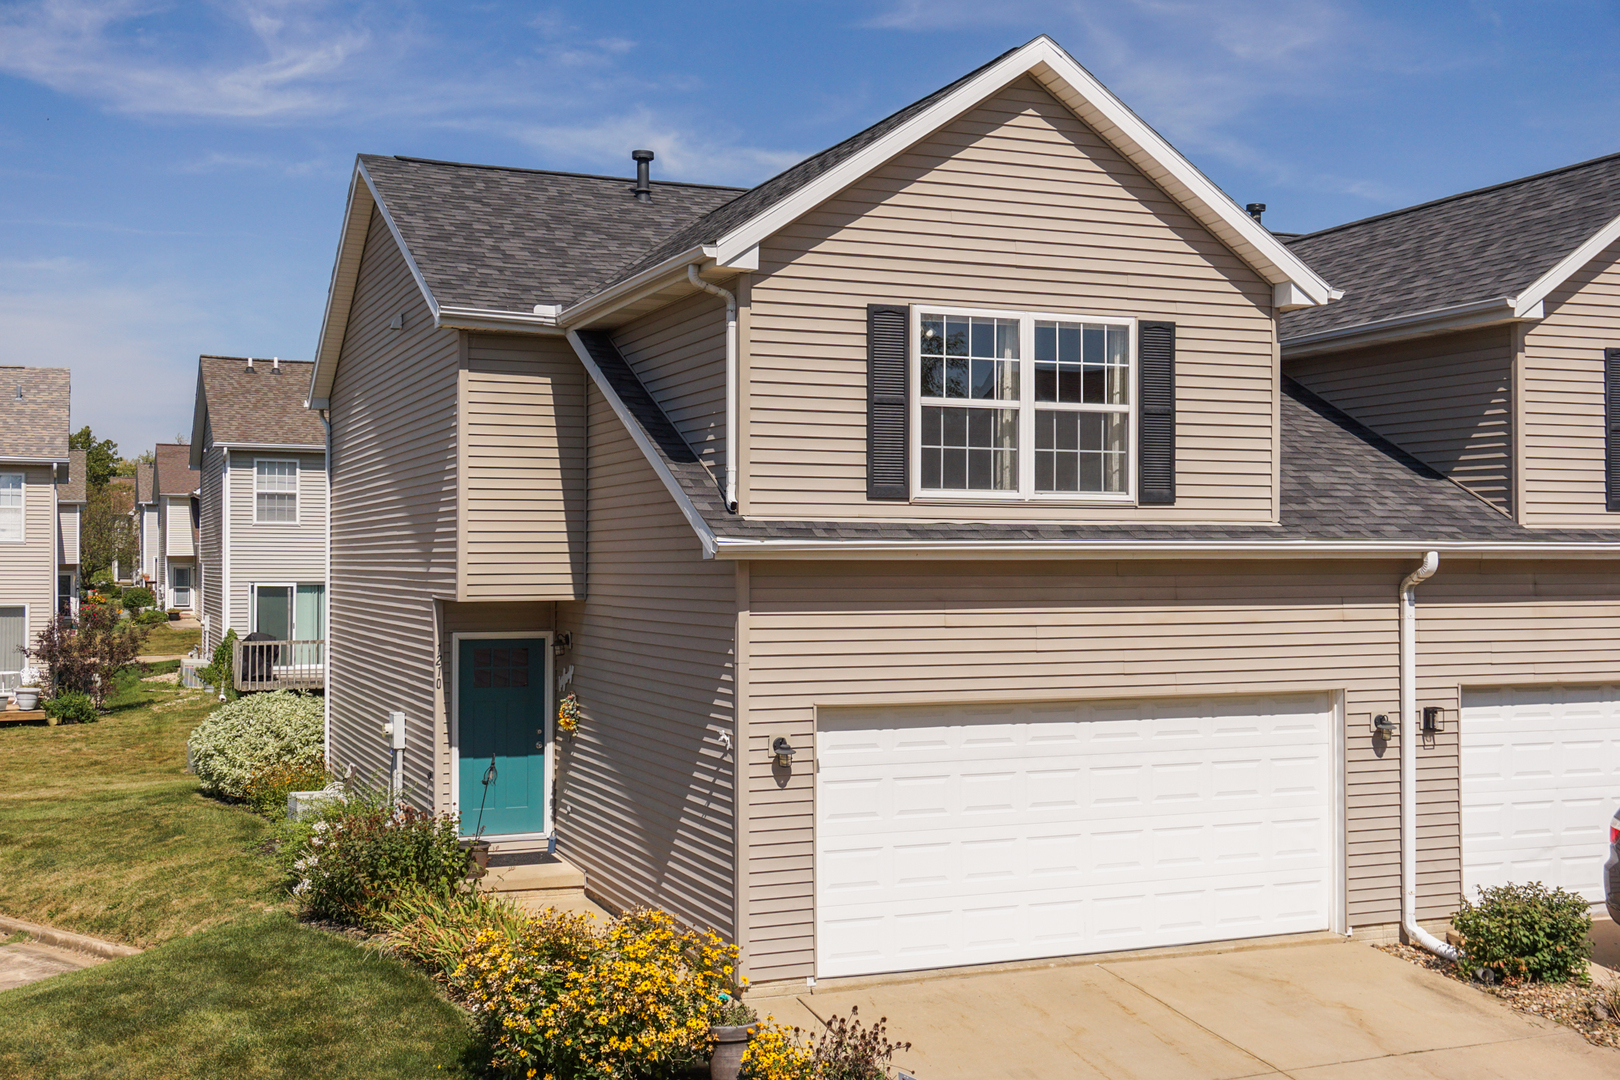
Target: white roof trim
1567	267
737	548
1098	107
346	272
690	512
304	448
1475	313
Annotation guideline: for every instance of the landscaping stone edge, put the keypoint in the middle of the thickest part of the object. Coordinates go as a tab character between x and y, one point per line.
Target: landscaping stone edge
63	939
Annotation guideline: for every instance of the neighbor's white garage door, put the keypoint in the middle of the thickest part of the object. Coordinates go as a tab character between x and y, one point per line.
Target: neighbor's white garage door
1540	781
979	834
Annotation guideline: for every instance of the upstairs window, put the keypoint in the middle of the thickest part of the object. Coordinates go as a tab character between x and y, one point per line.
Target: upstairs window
11	508
275	491
1023	405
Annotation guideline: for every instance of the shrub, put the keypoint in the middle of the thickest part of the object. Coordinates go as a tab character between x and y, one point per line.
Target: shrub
72	707
434	928
218	673
86	656
135	600
152	618
845	1051
268	785
566	999
254	733
1520	932
358	858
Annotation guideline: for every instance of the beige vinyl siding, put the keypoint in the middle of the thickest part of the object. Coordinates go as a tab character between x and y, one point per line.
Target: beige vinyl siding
28	569
679	352
210	541
67	531
177	511
1562	405
1446	400
861	634
149	540
1016	205
393	523
645	787
522	451
278	552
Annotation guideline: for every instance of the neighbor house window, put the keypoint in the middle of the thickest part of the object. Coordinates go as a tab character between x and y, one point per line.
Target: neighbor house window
11	507
275	491
1023	405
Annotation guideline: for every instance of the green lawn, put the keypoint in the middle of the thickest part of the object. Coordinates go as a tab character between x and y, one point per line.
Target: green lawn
103	832
170	640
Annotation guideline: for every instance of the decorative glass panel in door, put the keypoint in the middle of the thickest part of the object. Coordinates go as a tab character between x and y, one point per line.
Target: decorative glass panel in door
501	733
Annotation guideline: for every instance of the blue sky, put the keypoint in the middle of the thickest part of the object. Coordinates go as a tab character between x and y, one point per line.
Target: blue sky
172	176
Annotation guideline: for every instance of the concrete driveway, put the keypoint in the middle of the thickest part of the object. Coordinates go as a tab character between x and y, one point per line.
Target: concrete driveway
1334	1011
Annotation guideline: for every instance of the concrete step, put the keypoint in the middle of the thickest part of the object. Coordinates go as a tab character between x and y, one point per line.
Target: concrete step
544	873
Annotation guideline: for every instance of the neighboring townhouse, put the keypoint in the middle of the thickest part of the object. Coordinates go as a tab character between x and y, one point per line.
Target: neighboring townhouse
33	460
262	457
1481	333
144	514
175	484
947	571
71	501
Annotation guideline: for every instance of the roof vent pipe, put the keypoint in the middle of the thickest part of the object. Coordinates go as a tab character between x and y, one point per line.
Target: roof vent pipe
1255	209
19	392
643	188
250	363
275	365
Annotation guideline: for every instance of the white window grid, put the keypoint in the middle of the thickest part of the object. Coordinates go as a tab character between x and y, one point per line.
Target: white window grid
1025	405
275	491
11	508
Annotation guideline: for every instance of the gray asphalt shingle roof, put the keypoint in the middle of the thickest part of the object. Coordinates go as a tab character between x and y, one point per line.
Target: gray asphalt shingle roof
72	489
144	475
263	405
1480	245
1340	482
508	239
175	476
34	412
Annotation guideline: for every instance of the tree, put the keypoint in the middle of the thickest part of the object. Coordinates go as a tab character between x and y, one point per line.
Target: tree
87	656
107	532
130	466
100	459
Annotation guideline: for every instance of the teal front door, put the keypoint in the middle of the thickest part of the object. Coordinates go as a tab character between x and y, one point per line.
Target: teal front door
501	729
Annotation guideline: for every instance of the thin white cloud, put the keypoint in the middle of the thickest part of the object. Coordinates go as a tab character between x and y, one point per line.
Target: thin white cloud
682	153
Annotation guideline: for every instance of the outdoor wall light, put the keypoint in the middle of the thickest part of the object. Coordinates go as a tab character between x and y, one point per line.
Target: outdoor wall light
1434	719
1383	726
782	751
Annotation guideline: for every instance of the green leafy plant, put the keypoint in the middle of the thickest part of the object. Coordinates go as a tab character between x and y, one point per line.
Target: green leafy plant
433	927
72	707
137	600
152	618
218	673
268	786
358	857
1521	932
627	1000
252	734
85	656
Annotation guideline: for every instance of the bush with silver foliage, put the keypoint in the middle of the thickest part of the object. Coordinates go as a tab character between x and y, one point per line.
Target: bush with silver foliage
241	739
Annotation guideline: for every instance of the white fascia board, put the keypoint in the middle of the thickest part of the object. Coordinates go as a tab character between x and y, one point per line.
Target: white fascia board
736	548
459	318
1567	267
1469	316
705	534
1094	104
632	288
21	460
303	448
363	198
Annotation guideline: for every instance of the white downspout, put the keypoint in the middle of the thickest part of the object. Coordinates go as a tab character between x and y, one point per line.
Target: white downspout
1409	735
731	380
326	602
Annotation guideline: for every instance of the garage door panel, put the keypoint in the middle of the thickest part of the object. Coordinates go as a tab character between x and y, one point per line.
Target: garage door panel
1540	781
1065	828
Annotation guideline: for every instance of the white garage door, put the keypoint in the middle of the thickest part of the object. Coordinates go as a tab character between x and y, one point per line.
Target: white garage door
979	834
1540	781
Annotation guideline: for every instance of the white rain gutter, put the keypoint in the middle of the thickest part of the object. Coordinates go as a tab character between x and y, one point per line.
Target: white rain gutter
1409	735
326	600
731	379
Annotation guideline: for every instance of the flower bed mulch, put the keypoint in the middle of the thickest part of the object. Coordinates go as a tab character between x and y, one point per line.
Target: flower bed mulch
1587	1009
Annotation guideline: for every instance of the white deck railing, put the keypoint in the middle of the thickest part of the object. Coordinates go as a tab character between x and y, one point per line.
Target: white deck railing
279	665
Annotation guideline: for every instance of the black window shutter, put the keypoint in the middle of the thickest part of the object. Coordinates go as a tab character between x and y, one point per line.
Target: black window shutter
1611	426
1156	433
888	403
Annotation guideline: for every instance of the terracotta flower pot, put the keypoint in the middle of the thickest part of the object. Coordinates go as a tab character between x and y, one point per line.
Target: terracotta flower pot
729	1043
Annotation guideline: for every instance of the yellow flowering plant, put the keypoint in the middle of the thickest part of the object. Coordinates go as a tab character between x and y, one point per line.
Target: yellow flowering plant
566	1000
777	1053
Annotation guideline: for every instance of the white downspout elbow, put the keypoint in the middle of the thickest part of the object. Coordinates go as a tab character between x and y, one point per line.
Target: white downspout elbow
731	380
1409	735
